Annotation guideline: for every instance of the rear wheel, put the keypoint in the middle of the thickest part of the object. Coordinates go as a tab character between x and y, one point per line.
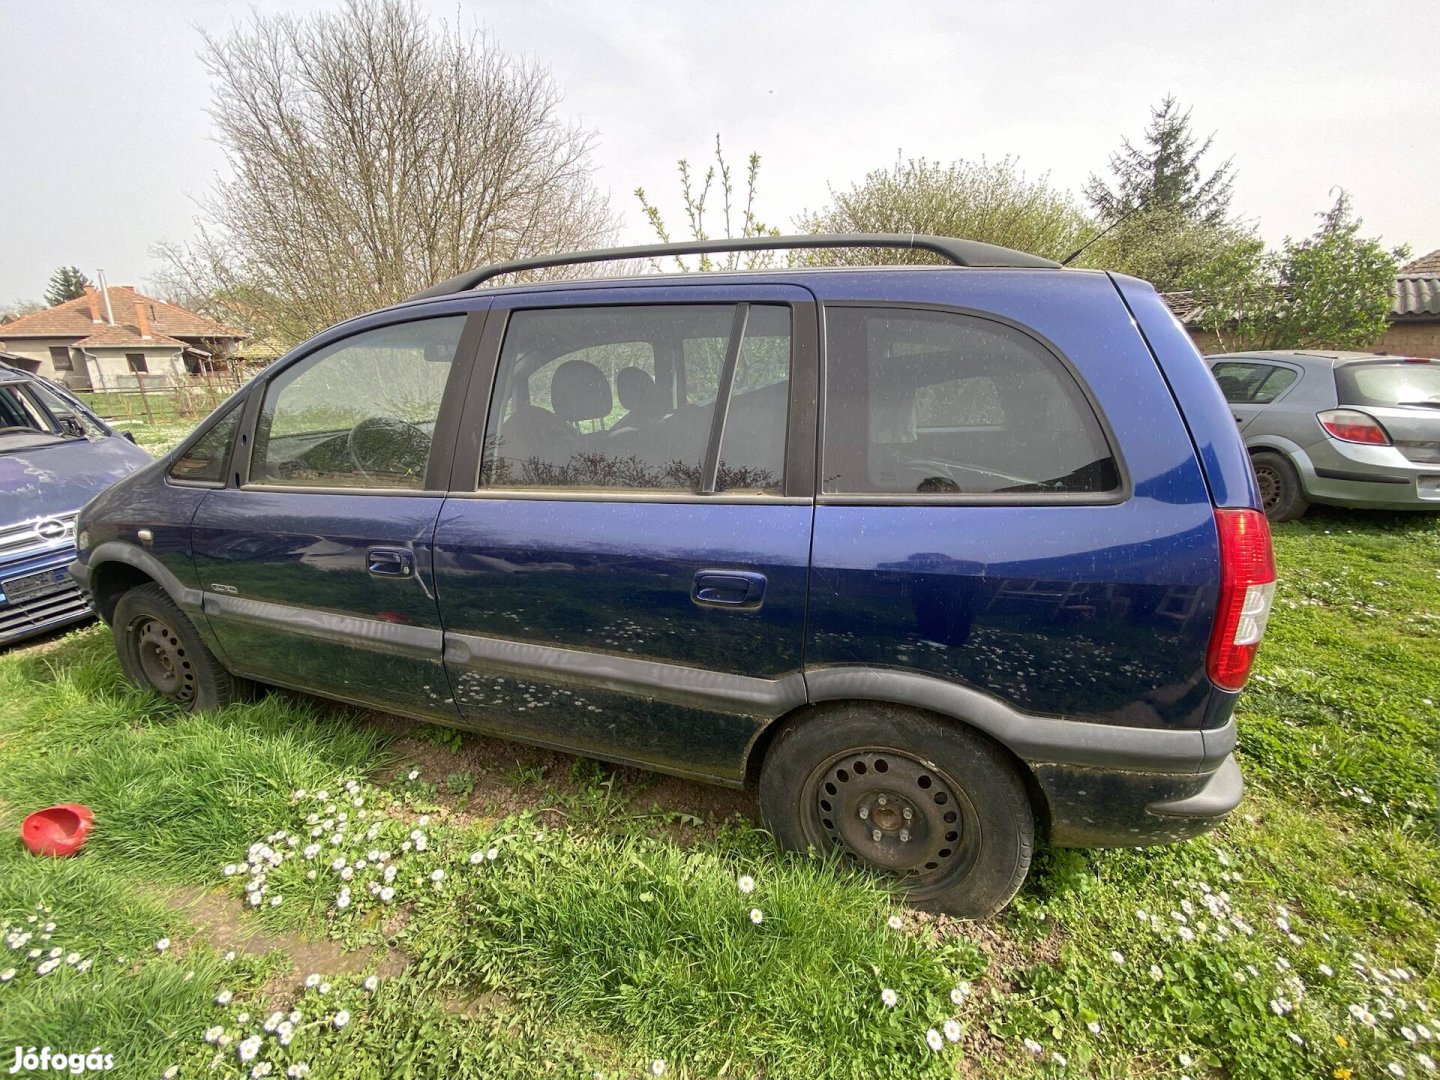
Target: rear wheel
933	804
1280	492
160	650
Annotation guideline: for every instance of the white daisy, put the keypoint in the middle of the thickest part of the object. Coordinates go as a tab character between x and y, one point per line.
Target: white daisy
757	916
888	998
934	1040
746	884
341	1019
952	1030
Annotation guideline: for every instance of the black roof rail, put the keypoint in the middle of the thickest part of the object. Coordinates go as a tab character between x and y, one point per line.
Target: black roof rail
959	252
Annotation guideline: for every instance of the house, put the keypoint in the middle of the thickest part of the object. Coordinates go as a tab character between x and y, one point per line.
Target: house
117	340
1414	328
1414	320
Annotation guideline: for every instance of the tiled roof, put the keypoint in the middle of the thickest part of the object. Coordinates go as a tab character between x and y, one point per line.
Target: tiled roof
1426	264
73	319
1417	296
128	335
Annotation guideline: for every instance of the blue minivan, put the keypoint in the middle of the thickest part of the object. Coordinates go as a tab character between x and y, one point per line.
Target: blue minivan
945	558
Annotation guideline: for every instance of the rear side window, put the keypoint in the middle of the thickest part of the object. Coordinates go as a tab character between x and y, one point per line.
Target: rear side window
1253	384
936	403
625	398
1389	383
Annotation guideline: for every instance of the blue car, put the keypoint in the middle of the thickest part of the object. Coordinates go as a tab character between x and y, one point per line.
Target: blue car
55	455
945	559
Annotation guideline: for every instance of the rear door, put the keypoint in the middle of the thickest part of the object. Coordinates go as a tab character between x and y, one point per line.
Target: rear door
314	558
623	570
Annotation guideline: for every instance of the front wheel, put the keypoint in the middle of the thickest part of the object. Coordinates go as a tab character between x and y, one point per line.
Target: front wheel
160	650
933	804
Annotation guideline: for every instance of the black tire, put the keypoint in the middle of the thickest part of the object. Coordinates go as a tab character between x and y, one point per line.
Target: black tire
160	650
834	778
1280	491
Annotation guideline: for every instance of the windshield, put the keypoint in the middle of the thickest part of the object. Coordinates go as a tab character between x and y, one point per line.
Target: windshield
32	415
1392	383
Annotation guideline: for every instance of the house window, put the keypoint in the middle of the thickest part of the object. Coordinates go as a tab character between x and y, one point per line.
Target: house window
136	360
60	358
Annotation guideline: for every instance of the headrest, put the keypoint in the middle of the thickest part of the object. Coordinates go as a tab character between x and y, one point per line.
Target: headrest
636	389
580	391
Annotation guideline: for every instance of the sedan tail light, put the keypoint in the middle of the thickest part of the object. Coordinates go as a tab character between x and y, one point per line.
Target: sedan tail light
1247	587
1351	425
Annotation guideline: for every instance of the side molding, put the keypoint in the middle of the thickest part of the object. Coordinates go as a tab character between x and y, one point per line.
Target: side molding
1034	739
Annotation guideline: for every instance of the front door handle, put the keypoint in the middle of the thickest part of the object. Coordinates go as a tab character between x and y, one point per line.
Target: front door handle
728	588
390	562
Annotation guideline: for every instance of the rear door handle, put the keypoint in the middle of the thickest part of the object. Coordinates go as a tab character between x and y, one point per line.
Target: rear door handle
728	588
390	562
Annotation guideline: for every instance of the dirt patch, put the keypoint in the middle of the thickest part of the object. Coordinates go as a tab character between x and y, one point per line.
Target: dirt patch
225	925
512	778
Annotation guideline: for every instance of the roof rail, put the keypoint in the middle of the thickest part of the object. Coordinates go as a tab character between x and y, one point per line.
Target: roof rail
959	252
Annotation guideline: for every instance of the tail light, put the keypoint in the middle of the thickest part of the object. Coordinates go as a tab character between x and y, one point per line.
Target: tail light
1351	425
1247	587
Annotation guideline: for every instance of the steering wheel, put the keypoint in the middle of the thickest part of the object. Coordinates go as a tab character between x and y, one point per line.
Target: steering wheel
389	445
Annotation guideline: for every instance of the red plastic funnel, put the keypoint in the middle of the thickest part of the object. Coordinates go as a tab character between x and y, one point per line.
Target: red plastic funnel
57	830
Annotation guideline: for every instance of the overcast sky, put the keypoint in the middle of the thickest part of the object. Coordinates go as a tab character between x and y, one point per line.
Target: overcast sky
107	140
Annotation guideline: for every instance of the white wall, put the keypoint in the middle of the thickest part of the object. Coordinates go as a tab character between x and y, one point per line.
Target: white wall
39	349
110	370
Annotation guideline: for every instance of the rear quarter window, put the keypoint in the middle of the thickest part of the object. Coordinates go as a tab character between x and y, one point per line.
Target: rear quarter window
945	403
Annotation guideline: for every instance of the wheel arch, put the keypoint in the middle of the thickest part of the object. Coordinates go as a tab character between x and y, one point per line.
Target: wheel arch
114	568
827	694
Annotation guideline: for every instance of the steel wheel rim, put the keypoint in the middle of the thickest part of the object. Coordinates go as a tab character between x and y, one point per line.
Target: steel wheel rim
163	659
1268	481
851	796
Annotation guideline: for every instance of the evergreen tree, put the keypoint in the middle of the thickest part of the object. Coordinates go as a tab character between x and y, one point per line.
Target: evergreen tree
66	283
1165	174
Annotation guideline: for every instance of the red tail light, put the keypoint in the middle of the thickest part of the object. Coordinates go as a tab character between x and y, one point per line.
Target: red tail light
1247	587
1350	425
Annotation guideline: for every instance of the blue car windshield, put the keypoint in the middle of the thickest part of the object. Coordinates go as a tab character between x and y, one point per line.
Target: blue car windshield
25	422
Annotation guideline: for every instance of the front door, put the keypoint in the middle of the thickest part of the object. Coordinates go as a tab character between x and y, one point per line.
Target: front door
315	558
627	574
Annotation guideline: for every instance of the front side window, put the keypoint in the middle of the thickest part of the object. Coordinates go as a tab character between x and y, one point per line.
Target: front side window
625	397
359	413
204	461
940	403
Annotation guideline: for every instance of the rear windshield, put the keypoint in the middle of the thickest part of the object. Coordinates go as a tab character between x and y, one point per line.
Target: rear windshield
1389	383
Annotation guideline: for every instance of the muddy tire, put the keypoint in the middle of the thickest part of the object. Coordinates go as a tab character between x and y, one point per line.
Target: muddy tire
160	650
932	803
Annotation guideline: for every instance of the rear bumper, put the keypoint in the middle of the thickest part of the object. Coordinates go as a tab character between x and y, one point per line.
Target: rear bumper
1372	477
1092	807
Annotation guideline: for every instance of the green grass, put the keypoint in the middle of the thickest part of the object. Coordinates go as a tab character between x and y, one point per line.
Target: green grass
602	936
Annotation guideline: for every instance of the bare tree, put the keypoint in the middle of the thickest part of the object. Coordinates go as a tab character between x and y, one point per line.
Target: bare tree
371	157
